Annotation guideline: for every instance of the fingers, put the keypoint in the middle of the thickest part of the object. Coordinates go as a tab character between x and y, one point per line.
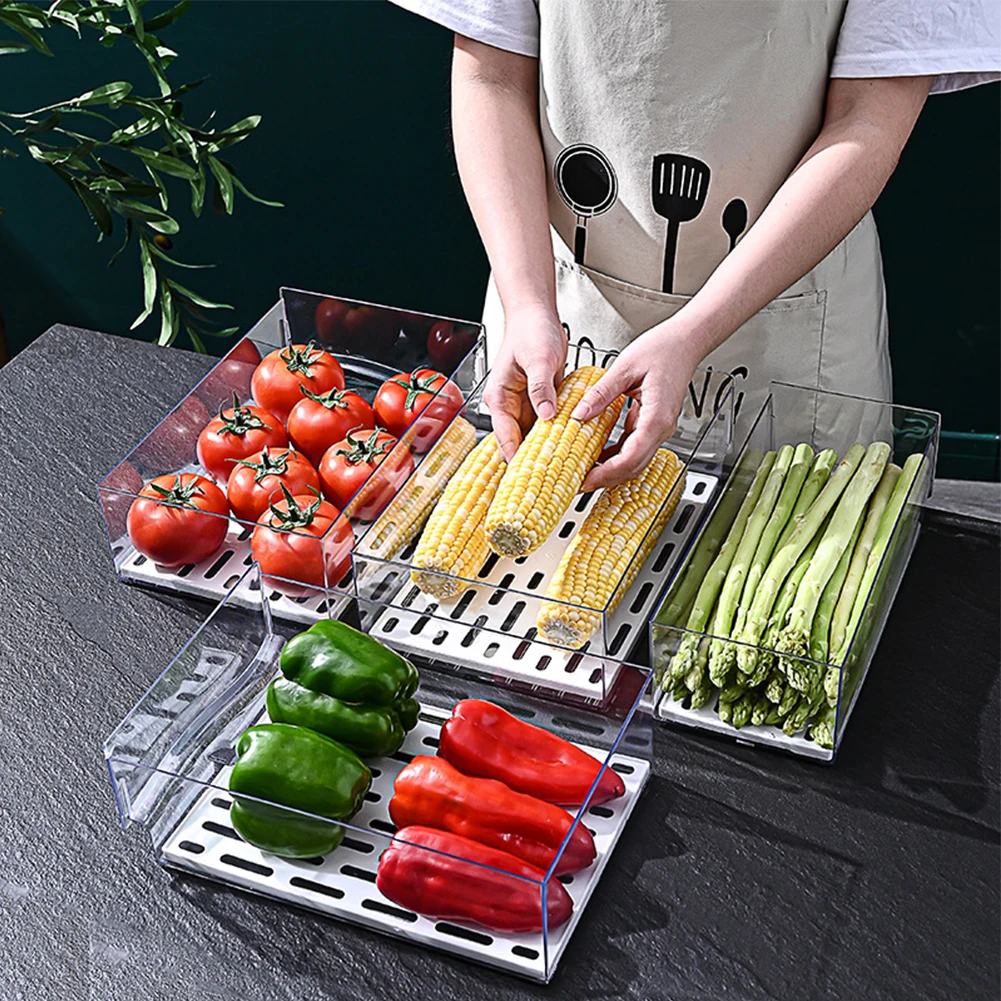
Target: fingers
635	452
508	435
542	389
616	381
505	405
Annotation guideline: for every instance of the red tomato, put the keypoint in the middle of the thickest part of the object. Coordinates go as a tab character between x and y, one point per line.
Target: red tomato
320	420
356	327
423	392
305	542
256	481
231	374
171	444
448	343
235	434
116	504
416	327
166	522
352	463
277	379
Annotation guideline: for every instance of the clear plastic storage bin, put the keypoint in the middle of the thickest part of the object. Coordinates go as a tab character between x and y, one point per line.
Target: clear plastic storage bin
492	619
371	343
170	759
791	415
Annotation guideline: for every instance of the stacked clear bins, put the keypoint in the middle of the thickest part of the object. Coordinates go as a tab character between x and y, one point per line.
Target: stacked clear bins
171	759
311	572
493	612
728	644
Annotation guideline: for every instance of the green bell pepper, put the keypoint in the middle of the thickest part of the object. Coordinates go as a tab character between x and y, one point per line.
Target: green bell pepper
291	766
366	729
336	660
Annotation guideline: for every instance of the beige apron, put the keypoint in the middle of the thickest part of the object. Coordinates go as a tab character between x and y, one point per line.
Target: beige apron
668	125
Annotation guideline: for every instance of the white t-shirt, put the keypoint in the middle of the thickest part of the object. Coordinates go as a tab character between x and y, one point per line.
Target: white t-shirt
959	41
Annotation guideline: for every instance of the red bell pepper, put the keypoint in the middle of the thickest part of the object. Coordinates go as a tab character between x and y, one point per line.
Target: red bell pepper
470	882
482	739
432	792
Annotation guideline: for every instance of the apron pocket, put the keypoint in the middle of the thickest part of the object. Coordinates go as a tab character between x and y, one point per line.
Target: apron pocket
784	341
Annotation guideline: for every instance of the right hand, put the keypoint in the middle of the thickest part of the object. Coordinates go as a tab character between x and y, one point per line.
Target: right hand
524	375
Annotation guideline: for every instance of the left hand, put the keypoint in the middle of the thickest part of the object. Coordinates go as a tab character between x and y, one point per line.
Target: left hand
654	371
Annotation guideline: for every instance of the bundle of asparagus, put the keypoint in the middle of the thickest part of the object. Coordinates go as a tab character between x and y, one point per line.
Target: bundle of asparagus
781	583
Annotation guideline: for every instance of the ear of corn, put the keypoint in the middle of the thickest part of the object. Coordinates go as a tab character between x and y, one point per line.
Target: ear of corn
611	545
453	545
548	469
405	517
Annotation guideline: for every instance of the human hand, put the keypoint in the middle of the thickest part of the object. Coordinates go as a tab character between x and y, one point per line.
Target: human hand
654	371
524	375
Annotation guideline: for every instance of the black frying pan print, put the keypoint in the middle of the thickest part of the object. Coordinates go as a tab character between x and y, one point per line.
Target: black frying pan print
586	182
680	185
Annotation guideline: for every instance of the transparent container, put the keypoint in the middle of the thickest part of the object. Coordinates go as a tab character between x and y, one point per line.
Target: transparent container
492	617
372	343
791	415
169	762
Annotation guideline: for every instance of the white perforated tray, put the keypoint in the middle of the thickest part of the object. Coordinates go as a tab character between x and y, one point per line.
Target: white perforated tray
492	627
213	578
342	884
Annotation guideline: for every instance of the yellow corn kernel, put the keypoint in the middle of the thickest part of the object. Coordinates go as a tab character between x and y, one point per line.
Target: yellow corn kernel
548	469
405	516
615	540
453	545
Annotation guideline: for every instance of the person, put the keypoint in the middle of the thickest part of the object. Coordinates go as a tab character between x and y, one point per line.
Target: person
689	183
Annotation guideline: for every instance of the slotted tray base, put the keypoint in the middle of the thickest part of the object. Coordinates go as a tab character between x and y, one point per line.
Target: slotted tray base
492	628
342	885
213	579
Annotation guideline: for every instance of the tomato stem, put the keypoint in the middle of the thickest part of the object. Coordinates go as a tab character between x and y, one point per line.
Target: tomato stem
335	398
269	465
179	495
415	386
296	516
301	359
368	449
242	420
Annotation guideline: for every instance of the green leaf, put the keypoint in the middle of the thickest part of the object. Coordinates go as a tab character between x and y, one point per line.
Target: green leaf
159	186
23	26
106	184
167	17
194	297
186	88
12	48
225	181
240	186
140	128
198	192
168	318
40	128
58	156
228	332
149	283
165	162
234	134
153	217
109	93
93	204
128	239
198	343
135	16
67	17
181	134
154	249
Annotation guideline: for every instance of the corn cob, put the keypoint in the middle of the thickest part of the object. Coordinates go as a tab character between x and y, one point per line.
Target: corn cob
548	469
601	563
405	516
453	545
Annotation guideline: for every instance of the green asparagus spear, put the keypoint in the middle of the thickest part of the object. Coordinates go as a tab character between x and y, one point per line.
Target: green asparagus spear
887	523
732	692
776	686
723	655
774	717
762	708
799	717
823	728
785	559
820	630
696	677
685	659
790	697
766	654
680	598
843	609
794	639
703	693
801	461
818	476
741	712
725	711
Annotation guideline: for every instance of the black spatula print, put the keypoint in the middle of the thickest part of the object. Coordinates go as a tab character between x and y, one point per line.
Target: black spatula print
680	185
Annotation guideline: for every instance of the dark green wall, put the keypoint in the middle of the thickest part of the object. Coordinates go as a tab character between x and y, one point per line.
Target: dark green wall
355	142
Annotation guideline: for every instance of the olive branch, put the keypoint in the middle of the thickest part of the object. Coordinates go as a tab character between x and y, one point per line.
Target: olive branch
84	147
